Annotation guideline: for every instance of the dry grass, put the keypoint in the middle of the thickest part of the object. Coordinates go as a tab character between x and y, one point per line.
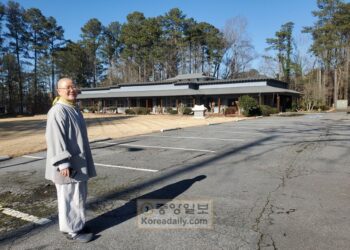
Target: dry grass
25	135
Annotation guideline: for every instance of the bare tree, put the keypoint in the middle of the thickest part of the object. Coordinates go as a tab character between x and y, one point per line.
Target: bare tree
239	51
268	66
302	62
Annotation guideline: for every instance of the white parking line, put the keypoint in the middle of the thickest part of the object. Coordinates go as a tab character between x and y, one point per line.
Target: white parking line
249	127
190	137
24	216
240	132
124	167
146	146
102	165
33	157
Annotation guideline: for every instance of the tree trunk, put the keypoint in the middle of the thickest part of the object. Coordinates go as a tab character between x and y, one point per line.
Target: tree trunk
326	86
280	68
35	77
335	89
319	81
346	76
202	60
110	81
95	72
10	108
190	58
20	82
145	76
52	75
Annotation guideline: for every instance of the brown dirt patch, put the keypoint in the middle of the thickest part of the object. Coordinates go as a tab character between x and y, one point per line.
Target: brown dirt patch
25	135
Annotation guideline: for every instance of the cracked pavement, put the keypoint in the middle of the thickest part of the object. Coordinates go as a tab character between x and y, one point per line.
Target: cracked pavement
284	185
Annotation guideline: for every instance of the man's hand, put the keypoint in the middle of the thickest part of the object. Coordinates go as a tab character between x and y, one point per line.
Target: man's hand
65	172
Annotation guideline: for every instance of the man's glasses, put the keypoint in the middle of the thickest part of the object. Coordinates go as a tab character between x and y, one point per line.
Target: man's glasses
70	88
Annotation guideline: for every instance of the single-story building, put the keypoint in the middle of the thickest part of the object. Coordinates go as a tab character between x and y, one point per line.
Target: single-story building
188	90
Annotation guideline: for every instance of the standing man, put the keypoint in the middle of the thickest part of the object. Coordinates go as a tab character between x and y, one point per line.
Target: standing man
69	162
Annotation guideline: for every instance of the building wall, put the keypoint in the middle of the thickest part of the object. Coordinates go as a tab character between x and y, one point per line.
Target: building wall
214	104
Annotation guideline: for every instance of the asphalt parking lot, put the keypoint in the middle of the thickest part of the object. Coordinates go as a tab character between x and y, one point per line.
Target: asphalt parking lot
274	183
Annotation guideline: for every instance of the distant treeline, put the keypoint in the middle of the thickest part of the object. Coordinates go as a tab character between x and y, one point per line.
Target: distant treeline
34	54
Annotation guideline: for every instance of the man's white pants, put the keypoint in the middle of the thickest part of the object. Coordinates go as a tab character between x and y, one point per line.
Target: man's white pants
71	200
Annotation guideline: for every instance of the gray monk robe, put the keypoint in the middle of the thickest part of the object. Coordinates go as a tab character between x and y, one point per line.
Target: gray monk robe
67	141
68	146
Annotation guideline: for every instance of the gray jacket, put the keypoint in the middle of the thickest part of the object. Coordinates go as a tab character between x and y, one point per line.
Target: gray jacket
67	140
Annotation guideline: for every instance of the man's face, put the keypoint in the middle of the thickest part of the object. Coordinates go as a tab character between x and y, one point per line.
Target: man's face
67	90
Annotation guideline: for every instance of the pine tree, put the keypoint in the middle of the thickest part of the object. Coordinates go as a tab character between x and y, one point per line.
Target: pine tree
18	41
111	49
173	25
282	43
91	39
326	46
55	39
37	44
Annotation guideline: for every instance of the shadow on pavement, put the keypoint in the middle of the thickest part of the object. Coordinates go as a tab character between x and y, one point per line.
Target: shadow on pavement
20	163
179	170
129	210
